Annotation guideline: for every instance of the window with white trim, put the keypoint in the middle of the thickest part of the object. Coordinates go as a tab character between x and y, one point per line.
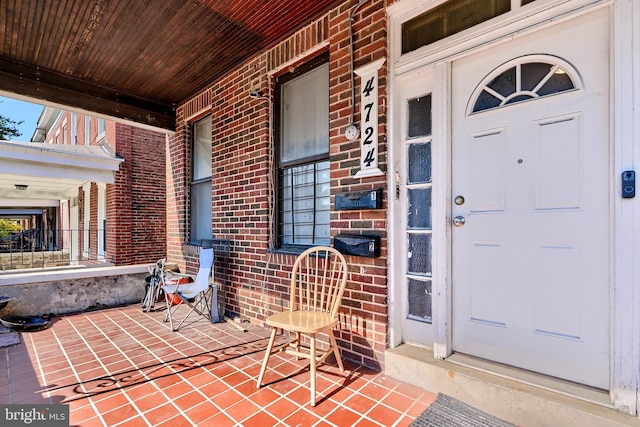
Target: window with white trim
87	130
74	129
303	157
201	190
102	129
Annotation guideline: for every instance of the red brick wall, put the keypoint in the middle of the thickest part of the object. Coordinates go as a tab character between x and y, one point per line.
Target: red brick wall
148	195
136	202
242	198
93	222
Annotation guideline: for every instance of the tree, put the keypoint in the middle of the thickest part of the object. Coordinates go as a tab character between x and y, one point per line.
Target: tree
8	128
8	227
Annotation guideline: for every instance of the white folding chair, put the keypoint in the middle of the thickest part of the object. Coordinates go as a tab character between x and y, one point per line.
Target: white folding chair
196	295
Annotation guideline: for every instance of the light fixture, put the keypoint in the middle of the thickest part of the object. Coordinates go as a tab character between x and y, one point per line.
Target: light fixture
21	187
255	94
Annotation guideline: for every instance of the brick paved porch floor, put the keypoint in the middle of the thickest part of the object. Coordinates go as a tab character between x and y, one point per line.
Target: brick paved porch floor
123	367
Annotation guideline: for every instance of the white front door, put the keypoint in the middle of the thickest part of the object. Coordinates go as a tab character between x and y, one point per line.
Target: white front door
531	181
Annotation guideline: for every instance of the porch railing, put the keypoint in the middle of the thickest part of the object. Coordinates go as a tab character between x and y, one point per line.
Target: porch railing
37	249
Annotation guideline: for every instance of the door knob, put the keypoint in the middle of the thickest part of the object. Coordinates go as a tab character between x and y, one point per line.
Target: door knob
459	221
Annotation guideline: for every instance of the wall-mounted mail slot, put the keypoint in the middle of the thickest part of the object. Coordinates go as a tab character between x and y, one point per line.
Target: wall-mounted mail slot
355	244
359	200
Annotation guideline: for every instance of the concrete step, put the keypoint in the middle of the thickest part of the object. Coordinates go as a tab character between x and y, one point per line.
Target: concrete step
520	397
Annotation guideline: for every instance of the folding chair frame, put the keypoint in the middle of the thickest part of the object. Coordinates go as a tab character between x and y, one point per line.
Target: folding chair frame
197	295
201	304
156	282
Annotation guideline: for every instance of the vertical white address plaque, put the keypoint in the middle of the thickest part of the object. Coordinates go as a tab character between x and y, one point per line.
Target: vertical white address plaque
369	119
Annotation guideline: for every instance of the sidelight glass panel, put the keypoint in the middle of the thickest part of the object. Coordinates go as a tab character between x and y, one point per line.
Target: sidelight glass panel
419	254
419	163
420	209
419	300
419	116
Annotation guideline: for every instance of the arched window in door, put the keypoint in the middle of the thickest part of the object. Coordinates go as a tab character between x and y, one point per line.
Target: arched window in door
524	79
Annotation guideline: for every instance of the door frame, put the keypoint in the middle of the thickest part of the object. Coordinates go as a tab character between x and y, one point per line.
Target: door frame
625	129
440	198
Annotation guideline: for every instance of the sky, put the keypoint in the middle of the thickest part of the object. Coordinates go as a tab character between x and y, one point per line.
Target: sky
21	111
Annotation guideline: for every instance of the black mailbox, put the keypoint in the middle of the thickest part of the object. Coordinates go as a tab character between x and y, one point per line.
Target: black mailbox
359	245
359	200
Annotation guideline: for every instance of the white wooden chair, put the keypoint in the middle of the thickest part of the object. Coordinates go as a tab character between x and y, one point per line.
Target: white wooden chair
318	280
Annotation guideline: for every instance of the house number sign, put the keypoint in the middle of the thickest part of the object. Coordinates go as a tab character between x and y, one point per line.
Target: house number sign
369	119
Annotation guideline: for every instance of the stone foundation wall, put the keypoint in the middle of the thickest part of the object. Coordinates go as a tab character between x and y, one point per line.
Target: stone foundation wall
67	291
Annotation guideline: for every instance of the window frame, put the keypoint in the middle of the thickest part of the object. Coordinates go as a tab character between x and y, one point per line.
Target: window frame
102	129
280	167
194	235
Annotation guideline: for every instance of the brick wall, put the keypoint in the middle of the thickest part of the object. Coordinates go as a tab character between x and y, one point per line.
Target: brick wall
242	195
148	195
93	222
135	203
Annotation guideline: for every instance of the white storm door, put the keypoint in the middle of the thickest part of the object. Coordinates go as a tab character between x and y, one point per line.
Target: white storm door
531	202
413	202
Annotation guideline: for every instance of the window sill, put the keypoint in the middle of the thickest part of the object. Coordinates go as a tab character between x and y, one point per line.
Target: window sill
291	249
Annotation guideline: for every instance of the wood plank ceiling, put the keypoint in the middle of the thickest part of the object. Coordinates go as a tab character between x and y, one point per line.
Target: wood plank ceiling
135	60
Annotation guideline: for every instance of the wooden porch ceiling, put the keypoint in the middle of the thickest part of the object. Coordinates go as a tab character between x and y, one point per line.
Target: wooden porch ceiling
135	60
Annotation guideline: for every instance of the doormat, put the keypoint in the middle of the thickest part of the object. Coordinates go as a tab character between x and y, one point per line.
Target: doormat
447	411
8	337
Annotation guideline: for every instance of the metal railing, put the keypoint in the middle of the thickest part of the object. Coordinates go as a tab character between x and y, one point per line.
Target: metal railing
38	249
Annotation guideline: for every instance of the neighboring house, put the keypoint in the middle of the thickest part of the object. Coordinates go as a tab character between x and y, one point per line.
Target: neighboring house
498	133
101	222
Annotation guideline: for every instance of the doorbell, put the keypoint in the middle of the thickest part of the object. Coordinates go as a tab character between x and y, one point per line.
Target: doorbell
628	184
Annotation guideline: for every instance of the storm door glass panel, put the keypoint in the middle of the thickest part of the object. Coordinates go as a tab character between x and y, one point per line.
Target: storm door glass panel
419	206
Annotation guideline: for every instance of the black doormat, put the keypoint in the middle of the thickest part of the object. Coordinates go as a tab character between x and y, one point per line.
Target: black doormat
447	411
